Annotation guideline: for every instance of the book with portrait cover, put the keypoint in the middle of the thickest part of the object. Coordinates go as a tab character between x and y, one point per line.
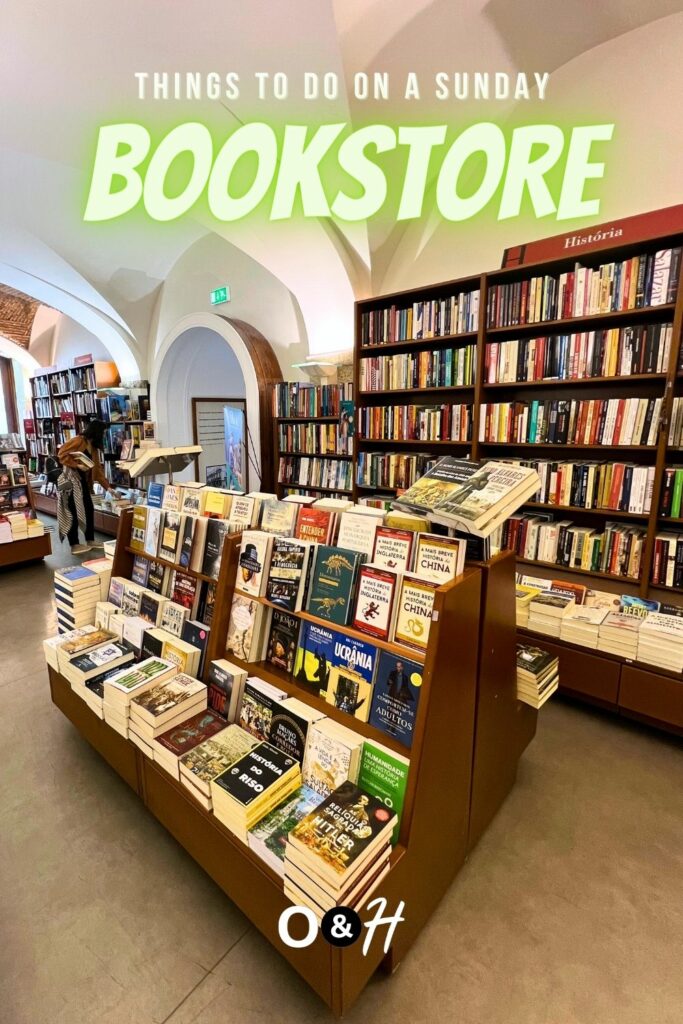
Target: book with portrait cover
248	619
138	528
396	696
282	640
289	573
253	562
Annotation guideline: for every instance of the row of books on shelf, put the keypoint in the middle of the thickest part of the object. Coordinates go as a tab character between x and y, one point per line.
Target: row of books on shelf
435	318
309	471
612	486
293	399
43	407
442	368
379	579
650	279
538	675
616	548
446	422
671	505
313	439
609	421
631	627
318	803
675	437
391	469
616	352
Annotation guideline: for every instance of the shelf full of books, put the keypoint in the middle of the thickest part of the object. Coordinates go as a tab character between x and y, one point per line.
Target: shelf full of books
313	436
267	673
23	537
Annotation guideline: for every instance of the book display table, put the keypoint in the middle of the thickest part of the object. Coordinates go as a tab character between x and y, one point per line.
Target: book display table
469	735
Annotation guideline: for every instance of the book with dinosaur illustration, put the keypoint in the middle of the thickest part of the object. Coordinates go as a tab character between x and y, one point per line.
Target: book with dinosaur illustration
333	580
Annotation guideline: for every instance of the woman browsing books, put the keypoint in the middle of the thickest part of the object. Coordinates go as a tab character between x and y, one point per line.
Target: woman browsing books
81	468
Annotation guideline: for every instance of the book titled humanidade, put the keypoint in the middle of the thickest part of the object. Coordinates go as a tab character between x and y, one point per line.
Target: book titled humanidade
396	696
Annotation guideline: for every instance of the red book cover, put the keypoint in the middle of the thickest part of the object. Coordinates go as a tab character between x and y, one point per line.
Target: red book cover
191	733
314	524
615	490
619	420
597	417
375	600
184	589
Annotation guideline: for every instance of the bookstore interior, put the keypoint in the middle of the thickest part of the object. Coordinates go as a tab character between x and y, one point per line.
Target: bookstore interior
307	615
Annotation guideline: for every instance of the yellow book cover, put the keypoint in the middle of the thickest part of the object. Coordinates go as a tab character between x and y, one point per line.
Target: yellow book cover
414	618
137	533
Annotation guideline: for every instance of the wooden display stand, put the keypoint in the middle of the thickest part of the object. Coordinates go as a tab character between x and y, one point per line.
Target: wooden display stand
32	549
468	730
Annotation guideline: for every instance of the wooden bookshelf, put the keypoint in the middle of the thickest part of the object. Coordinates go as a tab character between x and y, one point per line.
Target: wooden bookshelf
665	385
284	449
470	730
30	549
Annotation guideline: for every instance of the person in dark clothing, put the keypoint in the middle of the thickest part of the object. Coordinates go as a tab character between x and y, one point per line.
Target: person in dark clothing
88	443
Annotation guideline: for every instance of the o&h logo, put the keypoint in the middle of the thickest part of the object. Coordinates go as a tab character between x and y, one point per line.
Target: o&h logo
341	926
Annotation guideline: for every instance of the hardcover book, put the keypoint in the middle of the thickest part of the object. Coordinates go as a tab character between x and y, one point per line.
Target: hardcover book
333	579
289	572
396	696
254	562
414	613
282	640
322	648
393	549
376	601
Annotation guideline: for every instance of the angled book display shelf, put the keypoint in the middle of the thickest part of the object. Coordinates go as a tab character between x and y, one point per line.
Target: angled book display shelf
469	734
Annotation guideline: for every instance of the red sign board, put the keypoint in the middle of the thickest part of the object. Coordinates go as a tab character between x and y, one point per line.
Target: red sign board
83	360
641	228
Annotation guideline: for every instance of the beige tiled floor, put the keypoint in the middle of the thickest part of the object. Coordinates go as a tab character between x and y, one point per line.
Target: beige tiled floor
570	911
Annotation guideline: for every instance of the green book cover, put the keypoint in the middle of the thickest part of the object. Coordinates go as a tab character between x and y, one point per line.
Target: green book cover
678	492
332	584
384	775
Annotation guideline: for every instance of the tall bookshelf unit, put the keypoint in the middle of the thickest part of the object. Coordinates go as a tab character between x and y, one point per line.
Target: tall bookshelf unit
664	385
30	549
469	731
300	434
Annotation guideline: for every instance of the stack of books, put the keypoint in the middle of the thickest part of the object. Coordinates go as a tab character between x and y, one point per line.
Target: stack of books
660	641
618	634
252	787
59	649
84	665
18	524
77	591
339	852
547	610
268	839
34	528
582	625
523	597
162	707
178	740
102	568
199	766
537	675
120	689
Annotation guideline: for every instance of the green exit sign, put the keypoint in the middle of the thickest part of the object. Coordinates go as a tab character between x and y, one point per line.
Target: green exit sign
219	295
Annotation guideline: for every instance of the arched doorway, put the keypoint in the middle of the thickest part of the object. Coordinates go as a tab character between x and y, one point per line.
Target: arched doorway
206	355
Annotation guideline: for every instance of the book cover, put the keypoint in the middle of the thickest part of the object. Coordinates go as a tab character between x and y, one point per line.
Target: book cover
140	571
168	545
375	601
171	499
242	511
138	528
393	549
327	761
216	531
357	533
155	494
244	628
339	831
349	692
287	575
254	562
384	775
191	501
157	579
209	759
439	559
184	590
257	708
282	640
173	617
151	607
224	682
184	555
396	696
173	693
196	634
314	524
189	734
279	517
255	774
271	833
207	602
332	583
414	613
322	648
155	520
